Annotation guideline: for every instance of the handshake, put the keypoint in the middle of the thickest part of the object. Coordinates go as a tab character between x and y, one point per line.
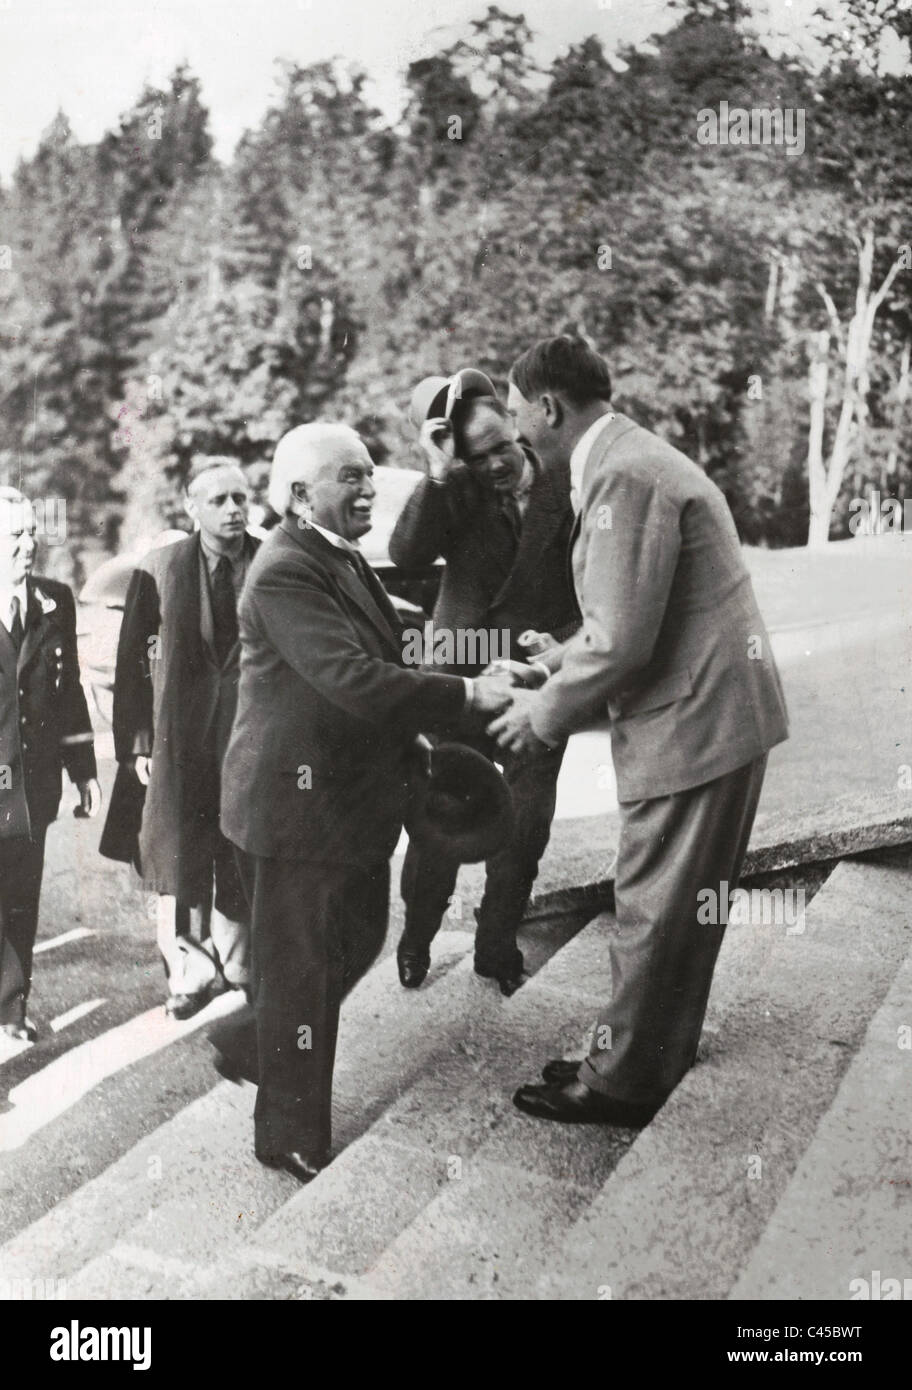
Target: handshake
504	691
496	687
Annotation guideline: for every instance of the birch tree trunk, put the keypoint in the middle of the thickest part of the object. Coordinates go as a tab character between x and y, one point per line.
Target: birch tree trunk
825	476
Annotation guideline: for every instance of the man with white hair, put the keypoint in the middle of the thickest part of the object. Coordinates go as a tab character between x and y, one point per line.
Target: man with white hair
314	782
44	726
174	695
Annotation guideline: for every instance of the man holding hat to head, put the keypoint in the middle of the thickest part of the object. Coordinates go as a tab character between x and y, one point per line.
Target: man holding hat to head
502	524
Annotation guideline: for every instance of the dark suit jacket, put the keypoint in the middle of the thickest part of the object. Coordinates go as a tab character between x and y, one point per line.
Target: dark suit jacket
316	767
173	701
672	648
489	584
44	719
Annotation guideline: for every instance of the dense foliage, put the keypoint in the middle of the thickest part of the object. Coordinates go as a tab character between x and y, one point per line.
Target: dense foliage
155	304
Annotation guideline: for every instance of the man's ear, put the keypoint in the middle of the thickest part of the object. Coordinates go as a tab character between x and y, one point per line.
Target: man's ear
553	410
299	492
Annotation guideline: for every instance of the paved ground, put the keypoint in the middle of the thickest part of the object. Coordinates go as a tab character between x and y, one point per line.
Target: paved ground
98	977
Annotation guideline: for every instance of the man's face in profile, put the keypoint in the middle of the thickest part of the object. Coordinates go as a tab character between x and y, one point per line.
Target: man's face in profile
531	423
489	449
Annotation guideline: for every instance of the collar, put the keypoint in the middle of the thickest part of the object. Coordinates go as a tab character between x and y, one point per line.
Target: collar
338	541
213	556
19	591
580	456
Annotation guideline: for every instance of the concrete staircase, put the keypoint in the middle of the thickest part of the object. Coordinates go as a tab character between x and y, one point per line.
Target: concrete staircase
779	1168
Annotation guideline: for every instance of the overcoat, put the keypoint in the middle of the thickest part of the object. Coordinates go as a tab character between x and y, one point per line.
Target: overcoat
175	703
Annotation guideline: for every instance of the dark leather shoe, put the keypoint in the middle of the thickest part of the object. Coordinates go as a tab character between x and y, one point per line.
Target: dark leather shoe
560	1071
412	968
183	1006
509	980
20	1032
577	1104
294	1163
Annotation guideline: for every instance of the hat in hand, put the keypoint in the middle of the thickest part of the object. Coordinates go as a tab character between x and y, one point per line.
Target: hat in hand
435	396
459	804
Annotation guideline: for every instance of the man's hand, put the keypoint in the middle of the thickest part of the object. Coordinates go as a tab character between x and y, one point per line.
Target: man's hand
439	447
142	768
491	694
89	799
513	729
519	672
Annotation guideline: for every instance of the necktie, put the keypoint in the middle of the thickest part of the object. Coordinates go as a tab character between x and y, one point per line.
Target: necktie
510	508
361	567
16	629
224	609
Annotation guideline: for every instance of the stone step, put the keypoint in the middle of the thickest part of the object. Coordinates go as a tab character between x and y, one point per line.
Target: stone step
454	1194
451	1139
577	873
846	1215
183	1202
682	1211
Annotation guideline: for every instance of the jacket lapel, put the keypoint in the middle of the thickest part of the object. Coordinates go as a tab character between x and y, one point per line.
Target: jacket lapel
35	621
8	652
342	572
544	514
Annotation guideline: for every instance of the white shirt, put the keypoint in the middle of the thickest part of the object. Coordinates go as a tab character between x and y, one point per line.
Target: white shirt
338	541
580	456
6	603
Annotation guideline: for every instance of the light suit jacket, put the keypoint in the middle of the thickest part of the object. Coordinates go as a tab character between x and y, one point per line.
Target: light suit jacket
672	647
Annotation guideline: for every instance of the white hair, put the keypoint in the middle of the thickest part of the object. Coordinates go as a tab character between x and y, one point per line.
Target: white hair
302	454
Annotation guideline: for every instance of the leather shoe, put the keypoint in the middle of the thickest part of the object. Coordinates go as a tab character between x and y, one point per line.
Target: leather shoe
294	1163
559	1071
576	1103
509	980
20	1032
412	968
184	1006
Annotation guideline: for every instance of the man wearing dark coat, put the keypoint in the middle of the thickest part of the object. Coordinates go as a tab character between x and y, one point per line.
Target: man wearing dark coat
502	523
315	779
175	691
44	727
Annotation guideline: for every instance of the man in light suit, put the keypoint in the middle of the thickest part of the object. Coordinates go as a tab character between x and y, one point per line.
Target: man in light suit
175	689
674	650
44	727
315	780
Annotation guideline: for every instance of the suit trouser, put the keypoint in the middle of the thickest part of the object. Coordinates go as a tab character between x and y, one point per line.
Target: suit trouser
200	943
428	880
662	958
21	868
316	929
